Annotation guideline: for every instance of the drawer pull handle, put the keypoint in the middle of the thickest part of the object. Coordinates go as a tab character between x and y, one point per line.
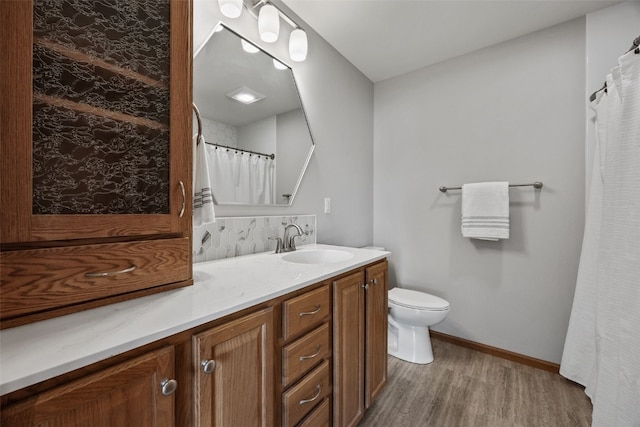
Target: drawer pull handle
302	358
168	386
318	390
184	199
310	313
111	273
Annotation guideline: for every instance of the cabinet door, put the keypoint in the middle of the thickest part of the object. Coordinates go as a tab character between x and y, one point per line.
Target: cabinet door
348	345
95	118
376	331
128	394
235	382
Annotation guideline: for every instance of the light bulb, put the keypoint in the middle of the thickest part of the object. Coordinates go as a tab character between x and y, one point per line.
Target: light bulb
279	65
269	23
230	8
298	45
248	47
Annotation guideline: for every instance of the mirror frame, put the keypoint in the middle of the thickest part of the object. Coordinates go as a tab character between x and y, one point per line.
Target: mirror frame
305	165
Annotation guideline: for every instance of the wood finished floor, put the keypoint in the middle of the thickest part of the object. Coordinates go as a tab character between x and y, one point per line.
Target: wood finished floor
463	387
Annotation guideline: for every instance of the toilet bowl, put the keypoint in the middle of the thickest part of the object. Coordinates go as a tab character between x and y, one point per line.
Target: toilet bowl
410	315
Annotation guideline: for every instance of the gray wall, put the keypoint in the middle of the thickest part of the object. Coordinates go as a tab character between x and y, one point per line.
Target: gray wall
338	100
294	143
511	112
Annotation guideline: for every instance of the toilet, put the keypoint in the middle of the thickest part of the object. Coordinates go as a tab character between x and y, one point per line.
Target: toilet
410	315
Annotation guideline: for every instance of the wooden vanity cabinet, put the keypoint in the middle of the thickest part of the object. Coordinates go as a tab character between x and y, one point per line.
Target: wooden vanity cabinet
138	392
360	342
312	358
95	154
234	382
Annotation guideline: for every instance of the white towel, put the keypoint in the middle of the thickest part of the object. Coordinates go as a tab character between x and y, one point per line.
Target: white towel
485	210
203	212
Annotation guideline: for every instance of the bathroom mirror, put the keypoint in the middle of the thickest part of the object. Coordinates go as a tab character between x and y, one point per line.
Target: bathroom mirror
257	136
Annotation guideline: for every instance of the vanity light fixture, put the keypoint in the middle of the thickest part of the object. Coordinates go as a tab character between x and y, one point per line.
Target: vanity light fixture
269	24
231	8
298	45
245	95
249	47
279	65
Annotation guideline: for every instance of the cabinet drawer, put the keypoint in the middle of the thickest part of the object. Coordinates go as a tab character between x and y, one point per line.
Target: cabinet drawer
305	311
319	417
306	352
37	280
300	399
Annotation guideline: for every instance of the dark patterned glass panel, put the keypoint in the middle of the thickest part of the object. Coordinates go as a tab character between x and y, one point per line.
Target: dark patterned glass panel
133	34
59	76
101	107
87	164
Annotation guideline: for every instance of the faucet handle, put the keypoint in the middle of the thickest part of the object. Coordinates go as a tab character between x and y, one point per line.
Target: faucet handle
278	244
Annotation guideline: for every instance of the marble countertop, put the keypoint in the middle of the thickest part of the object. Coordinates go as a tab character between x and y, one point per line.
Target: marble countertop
42	350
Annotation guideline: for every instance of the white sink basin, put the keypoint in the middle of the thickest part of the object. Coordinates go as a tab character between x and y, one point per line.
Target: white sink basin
317	256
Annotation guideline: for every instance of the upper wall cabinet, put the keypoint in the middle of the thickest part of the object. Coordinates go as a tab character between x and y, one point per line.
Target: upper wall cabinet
95	112
96	119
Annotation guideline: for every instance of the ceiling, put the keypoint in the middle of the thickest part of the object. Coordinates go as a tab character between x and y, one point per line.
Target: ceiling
222	56
387	38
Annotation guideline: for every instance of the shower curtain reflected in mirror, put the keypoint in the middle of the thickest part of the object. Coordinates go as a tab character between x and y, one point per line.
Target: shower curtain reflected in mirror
252	176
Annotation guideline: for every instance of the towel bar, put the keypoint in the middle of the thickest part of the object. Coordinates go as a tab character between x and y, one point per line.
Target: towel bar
537	185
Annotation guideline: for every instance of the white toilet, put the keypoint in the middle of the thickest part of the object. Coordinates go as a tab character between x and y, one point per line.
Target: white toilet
410	315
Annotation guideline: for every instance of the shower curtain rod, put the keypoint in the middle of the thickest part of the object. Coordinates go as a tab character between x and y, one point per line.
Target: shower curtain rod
537	185
271	156
195	110
636	49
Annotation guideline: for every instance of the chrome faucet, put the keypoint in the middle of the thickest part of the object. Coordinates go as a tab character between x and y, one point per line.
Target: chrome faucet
287	243
288	240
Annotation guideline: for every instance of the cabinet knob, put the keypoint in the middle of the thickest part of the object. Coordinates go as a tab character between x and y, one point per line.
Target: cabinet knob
365	286
208	366
374	281
168	386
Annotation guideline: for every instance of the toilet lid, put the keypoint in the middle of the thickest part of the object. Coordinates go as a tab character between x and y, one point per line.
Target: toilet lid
417	299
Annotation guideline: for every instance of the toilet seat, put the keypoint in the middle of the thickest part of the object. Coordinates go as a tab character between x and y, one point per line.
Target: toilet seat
417	300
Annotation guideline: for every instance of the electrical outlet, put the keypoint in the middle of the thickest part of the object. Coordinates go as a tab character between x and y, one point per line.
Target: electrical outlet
327	205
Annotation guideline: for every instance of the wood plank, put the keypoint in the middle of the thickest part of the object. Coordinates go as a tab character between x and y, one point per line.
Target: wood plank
464	387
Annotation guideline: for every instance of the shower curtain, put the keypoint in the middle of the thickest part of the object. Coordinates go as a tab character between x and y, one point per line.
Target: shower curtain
240	177
602	347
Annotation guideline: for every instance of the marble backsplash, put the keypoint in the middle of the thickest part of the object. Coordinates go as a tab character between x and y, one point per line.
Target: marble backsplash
235	236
